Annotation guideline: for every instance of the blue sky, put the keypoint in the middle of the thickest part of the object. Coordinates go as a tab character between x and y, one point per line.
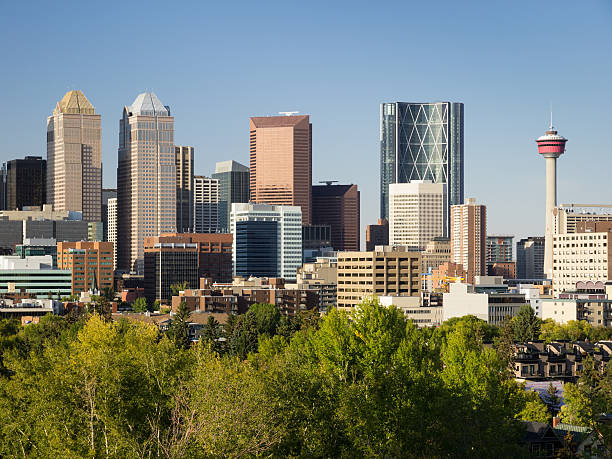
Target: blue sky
217	63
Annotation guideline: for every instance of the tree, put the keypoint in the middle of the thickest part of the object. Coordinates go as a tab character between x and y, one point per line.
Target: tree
526	324
552	398
179	287
156	305
100	305
179	327
140	304
267	317
584	402
535	409
211	333
504	345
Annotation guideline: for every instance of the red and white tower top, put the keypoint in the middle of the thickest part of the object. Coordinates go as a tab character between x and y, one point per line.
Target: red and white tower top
551	145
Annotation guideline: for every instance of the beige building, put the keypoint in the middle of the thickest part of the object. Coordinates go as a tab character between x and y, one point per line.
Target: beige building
416	213
422	316
567	216
205	204
468	238
322	275
281	162
74	157
36	213
597	312
383	271
580	257
112	227
146	178
436	253
184	189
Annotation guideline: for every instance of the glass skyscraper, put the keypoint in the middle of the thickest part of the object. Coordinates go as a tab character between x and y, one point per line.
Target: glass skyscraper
233	180
422	141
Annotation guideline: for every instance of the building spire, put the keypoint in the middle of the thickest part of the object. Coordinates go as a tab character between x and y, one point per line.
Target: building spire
551	128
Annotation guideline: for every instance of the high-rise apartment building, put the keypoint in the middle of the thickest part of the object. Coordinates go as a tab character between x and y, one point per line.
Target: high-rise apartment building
468	238
338	206
377	234
266	236
91	264
107	193
416	213
422	141
74	157
566	217
184	189
111	227
146	178
530	258
206	204
281	162
233	180
384	271
26	182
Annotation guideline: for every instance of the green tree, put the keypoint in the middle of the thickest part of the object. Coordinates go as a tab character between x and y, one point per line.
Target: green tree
267	318
526	324
179	287
140	304
212	333
584	402
535	409
552	398
179	327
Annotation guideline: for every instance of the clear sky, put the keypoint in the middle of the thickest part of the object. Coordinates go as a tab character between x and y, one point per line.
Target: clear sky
217	63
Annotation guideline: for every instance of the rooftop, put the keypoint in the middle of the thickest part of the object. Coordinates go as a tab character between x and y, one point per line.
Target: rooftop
148	104
74	102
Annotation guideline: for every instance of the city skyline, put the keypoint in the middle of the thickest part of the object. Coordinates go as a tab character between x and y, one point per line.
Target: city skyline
505	89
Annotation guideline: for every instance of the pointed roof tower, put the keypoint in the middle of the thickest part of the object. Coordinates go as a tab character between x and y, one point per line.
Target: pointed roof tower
148	104
75	102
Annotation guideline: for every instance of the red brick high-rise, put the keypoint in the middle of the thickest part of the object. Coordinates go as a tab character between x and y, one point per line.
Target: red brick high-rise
281	162
338	207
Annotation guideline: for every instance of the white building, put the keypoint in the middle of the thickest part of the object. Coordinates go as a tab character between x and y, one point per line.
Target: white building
580	257
112	227
567	216
205	204
422	316
416	213
288	235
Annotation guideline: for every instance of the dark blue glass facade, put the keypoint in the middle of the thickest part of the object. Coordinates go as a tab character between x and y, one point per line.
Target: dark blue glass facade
257	249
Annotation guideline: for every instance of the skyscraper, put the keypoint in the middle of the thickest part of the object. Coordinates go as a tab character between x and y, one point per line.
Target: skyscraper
74	157
281	162
111	227
107	194
338	207
233	180
530	258
146	178
422	141
266	236
468	238
206	204
416	213
550	146
26	182
184	189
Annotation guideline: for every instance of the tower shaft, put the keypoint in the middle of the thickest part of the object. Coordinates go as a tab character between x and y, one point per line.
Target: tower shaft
551	203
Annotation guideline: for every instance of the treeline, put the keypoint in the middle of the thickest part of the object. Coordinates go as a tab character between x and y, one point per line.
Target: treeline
360	384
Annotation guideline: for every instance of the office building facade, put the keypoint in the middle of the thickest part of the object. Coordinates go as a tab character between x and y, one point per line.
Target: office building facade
416	213
499	252
167	264
146	178
34	275
184	189
288	224
281	162
91	264
530	258
206	204
26	182
74	157
107	193
111	228
422	141
468	238
339	207
385	271
377	234
233	180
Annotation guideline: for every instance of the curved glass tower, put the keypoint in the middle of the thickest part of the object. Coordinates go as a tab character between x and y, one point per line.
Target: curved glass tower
422	141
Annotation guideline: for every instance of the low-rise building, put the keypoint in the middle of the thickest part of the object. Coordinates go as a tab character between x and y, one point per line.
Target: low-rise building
383	271
322	276
34	275
29	310
422	316
493	307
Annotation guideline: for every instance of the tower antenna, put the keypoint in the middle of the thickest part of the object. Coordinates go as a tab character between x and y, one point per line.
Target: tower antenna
551	119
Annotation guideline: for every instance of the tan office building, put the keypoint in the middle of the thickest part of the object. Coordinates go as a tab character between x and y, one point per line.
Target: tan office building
91	264
281	162
384	271
146	178
74	157
416	213
184	189
469	237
